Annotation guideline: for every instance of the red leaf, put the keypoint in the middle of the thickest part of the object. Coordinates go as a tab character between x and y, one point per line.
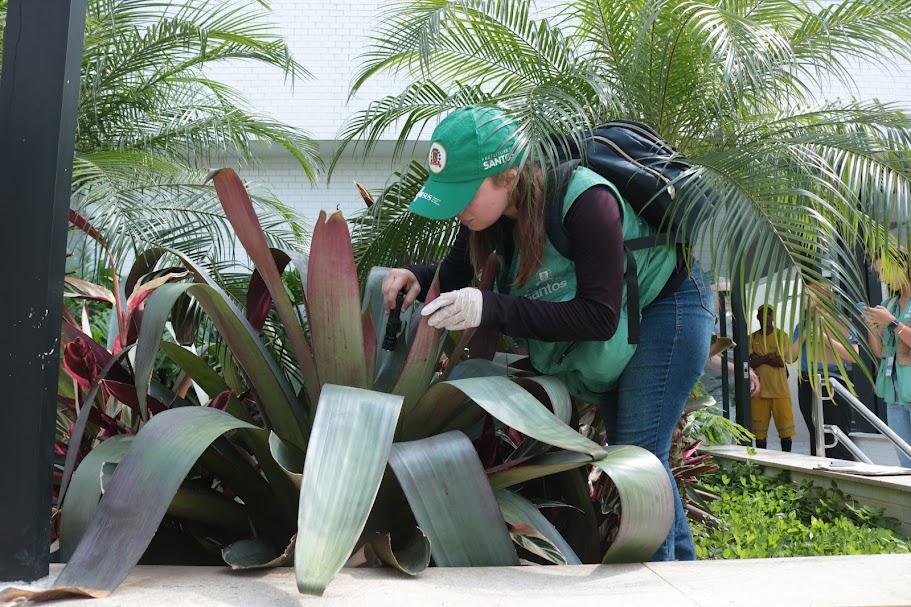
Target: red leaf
334	305
369	344
221	400
421	363
102	420
259	300
70	333
83	224
239	210
81	363
486	445
126	393
515	436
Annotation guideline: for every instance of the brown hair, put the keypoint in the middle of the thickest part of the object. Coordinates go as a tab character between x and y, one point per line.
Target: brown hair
528	197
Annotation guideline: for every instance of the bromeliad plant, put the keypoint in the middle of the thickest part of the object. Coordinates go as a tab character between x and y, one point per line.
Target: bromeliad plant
371	446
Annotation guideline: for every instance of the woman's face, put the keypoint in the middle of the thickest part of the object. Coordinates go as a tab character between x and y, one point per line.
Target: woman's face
491	202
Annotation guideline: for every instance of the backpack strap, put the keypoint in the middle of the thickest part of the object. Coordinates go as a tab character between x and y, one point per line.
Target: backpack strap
631	278
558	182
644	242
559	238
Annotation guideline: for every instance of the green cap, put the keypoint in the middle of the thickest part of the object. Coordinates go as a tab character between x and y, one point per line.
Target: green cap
469	145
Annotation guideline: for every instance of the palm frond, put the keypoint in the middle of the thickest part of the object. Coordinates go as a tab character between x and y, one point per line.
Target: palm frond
387	235
799	185
151	122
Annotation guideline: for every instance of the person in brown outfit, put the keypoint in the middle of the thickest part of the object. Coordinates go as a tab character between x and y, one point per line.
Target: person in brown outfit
770	350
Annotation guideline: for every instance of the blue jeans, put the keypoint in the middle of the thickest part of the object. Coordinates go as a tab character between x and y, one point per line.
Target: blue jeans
652	391
899	416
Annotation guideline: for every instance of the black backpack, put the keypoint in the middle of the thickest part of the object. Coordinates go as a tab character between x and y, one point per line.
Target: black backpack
647	172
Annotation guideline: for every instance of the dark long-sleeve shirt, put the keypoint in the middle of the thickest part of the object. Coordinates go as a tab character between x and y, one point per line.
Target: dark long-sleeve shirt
595	228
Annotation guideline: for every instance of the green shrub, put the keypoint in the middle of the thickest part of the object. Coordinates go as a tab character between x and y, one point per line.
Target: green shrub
764	517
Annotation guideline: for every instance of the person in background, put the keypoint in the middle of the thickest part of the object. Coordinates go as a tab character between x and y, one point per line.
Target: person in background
889	333
835	410
770	350
711	378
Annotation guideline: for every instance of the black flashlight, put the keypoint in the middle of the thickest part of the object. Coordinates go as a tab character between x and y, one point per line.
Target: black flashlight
394	324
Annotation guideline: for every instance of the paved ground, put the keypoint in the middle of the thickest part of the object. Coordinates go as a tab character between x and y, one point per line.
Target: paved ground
819	581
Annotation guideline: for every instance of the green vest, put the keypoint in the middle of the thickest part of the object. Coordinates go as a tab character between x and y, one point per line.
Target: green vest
893	379
591	368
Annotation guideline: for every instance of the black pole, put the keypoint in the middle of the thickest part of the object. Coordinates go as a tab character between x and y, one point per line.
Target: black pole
741	353
39	93
723	332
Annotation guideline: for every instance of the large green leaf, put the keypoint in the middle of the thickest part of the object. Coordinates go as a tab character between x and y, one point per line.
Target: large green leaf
81	499
519	471
196	367
282	409
440	410
646	494
270	505
410	556
478	367
388	362
347	455
520	512
289	459
646	502
452	501
552	391
239	210
205	506
423	357
285	491
334	306
257	554
509	403
143	486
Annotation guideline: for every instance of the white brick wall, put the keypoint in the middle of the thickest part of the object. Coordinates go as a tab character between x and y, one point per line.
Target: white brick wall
328	38
283	178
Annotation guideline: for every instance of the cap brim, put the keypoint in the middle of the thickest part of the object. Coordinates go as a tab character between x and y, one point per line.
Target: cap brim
444	200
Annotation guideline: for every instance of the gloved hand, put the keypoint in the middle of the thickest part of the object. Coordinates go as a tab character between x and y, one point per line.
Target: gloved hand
455	310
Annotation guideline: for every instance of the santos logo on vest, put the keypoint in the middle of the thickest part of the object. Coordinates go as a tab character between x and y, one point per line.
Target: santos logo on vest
550	289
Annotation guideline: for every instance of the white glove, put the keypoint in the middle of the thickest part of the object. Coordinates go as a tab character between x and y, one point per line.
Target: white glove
455	310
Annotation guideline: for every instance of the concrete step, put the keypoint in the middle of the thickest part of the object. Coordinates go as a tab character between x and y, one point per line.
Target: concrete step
877	447
817	581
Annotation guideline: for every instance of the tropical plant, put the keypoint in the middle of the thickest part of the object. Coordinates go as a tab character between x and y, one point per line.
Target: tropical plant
387	235
701	424
151	122
298	470
798	182
765	517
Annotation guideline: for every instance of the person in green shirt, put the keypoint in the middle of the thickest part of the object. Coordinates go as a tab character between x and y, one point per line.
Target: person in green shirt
569	312
889	332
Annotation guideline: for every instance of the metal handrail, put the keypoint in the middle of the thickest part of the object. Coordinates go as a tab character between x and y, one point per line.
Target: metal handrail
844	439
869	416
